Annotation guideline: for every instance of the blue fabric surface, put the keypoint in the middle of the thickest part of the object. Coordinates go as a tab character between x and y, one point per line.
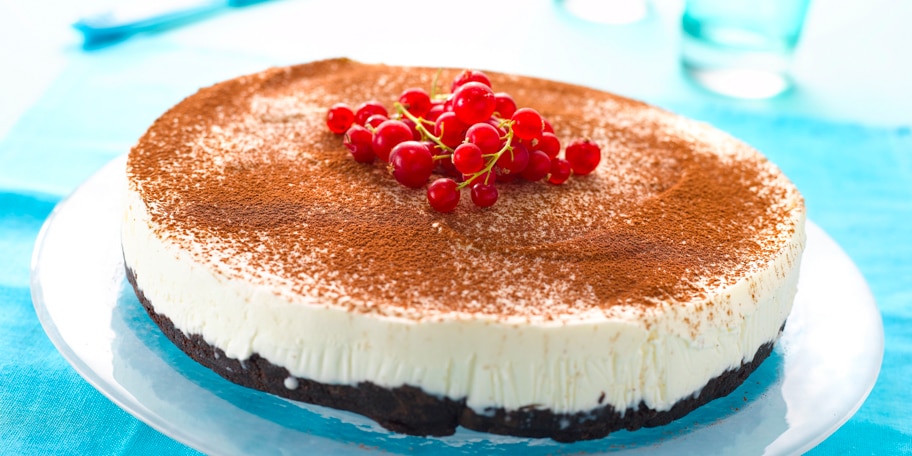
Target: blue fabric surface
857	181
45	406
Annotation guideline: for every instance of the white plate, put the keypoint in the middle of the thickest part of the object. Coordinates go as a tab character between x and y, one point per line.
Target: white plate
817	377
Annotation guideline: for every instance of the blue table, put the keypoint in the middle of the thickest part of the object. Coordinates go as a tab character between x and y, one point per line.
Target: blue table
64	112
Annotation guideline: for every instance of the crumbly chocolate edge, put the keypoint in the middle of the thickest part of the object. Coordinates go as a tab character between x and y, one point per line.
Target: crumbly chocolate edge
408	409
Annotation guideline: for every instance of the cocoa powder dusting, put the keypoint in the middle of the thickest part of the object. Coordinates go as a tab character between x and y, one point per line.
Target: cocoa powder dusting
246	175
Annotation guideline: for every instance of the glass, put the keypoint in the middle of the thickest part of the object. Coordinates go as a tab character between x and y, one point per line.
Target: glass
741	48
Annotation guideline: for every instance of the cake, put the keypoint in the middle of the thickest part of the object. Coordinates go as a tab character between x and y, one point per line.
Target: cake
621	299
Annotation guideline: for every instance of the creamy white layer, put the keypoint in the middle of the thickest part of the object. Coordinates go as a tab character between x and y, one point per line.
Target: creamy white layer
658	355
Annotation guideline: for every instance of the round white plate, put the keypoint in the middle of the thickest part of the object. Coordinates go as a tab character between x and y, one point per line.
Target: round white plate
819	374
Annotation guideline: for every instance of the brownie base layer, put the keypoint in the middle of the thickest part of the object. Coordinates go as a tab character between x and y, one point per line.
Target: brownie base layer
409	410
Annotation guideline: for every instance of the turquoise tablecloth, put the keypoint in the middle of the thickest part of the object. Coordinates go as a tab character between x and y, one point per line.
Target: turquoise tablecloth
857	181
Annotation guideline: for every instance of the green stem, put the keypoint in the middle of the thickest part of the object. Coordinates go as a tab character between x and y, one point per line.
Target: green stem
419	125
434	83
493	160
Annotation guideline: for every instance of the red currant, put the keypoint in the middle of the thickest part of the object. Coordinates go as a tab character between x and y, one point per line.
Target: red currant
435	148
339	118
538	167
560	171
450	129
375	120
527	124
443	194
504	104
498	125
416	101
473	102
412	163
470	129
434	112
514	161
358	140
484	195
485	136
367	109
387	135
470	76
549	144
467	158
445	166
548	127
584	156
416	135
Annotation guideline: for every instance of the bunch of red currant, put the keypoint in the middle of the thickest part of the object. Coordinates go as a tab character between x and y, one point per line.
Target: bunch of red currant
473	137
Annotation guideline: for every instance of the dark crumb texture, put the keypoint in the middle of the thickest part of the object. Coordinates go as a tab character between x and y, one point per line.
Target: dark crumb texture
409	410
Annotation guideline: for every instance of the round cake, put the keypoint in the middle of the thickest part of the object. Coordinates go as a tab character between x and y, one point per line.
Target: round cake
620	299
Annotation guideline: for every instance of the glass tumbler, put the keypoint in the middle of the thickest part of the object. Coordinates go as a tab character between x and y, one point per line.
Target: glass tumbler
741	48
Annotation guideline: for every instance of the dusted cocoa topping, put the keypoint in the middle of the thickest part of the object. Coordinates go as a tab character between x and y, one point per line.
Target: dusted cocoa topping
245	176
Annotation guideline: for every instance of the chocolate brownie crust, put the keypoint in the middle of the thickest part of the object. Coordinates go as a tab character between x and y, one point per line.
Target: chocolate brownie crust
408	409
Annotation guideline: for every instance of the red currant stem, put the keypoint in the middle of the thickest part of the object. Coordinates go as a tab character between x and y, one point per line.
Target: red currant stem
420	126
434	83
442	157
490	163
